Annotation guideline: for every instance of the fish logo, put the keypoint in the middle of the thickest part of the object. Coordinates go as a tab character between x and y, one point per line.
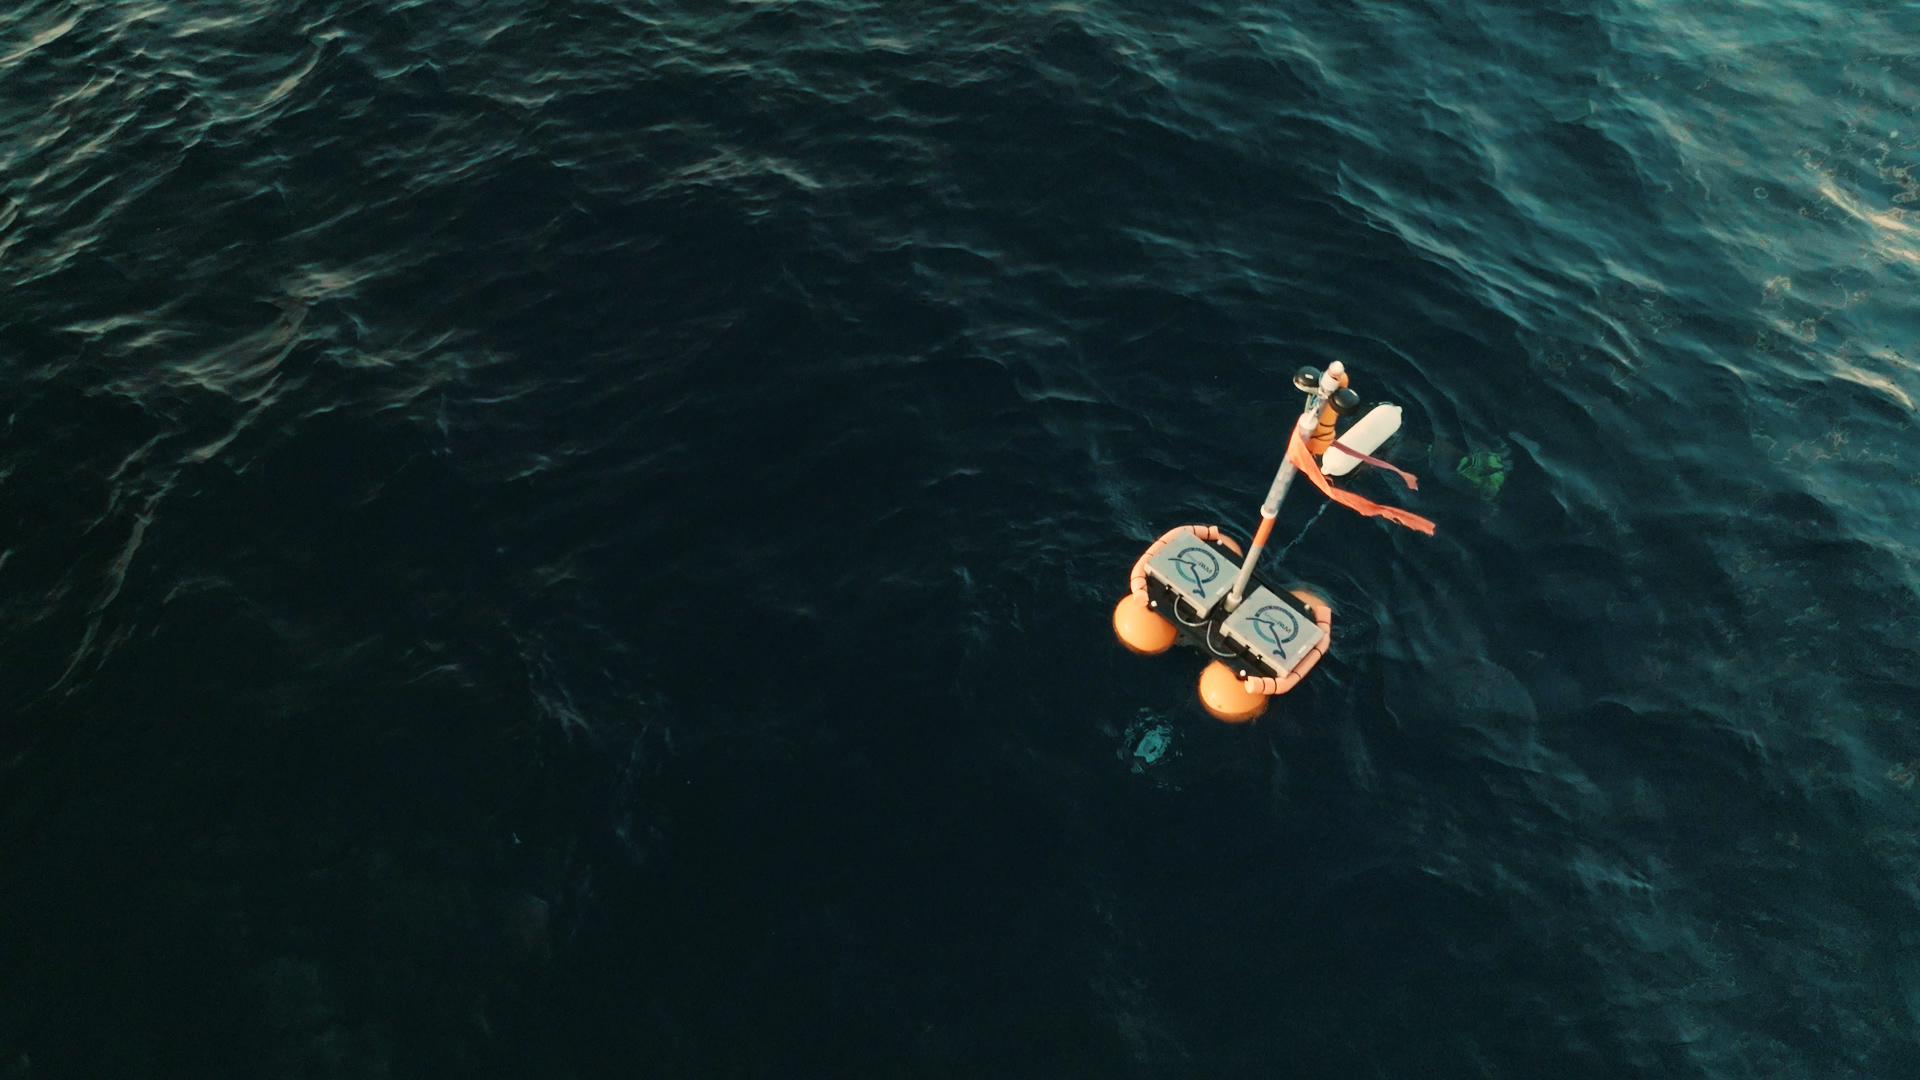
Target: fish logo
1199	566
1277	625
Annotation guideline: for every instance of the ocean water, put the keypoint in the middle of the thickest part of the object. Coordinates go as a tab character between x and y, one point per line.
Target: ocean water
575	539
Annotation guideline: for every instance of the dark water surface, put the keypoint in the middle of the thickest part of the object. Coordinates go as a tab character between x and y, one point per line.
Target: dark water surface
564	539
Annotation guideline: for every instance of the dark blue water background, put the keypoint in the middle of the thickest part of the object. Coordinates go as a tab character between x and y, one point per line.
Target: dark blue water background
570	539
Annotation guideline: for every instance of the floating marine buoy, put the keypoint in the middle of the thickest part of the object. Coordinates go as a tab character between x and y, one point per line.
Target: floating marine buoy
1193	586
1140	629
1226	695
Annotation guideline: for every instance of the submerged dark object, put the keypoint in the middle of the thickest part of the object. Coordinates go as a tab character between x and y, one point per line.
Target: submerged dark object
1485	471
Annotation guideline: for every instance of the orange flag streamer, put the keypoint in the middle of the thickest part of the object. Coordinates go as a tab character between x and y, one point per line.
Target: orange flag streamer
1297	453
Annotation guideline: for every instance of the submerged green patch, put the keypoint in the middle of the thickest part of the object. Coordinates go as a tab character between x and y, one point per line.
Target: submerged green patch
1485	471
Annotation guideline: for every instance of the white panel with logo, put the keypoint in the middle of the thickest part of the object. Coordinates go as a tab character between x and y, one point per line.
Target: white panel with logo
1273	629
1200	573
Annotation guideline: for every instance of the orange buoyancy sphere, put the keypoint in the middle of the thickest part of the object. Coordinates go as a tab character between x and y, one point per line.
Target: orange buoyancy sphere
1140	629
1226	697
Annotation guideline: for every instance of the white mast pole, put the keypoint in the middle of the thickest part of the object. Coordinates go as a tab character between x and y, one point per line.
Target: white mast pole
1282	480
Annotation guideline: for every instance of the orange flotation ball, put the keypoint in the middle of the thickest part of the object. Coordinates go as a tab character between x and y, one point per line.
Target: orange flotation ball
1140	629
1226	697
